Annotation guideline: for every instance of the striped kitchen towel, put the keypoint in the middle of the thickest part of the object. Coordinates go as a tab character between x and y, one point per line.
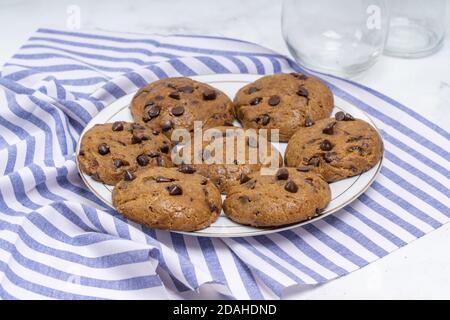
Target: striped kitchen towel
57	240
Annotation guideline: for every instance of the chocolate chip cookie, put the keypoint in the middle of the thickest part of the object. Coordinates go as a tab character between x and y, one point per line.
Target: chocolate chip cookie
285	102
336	148
168	198
110	151
232	167
289	196
175	103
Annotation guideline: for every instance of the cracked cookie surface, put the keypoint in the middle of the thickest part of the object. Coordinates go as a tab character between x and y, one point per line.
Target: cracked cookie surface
283	101
336	148
287	197
168	198
175	103
110	150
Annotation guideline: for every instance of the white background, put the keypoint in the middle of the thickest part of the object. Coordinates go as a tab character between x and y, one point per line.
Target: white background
419	270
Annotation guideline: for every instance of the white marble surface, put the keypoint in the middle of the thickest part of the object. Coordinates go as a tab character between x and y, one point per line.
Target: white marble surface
419	270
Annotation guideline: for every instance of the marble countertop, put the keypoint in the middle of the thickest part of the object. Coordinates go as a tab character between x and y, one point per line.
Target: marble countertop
419	270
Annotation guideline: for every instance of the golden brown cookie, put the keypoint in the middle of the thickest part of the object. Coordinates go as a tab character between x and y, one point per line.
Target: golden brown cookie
168	198
175	103
287	197
225	173
110	150
285	102
336	148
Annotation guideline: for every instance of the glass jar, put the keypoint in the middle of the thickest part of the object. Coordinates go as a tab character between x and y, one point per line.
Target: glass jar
417	27
337	37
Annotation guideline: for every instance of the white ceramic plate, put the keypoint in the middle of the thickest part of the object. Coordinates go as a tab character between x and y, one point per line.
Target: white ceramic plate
342	192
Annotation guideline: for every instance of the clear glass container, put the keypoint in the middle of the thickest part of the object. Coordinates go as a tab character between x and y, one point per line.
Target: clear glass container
417	27
342	38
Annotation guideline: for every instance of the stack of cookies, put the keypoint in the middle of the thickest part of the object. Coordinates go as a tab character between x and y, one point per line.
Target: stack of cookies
153	189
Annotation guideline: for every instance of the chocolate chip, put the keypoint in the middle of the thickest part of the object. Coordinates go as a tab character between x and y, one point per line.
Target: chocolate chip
155	132
164	149
153	111
142	160
252	90
137	126
354	139
244	199
265	119
329	157
177	111
308	122
209	94
128	176
103	149
282	174
174	95
274	100
326	145
314	161
302	92
186	89
291	187
348	117
117	126
175	190
154	154
171	85
339	116
186	168
255	101
329	129
82	153
117	163
212	207
166	126
204	182
136	139
299	76
244	178
161	179
302	169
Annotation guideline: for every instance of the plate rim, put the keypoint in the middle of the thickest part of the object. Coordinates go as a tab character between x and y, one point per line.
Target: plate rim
211	78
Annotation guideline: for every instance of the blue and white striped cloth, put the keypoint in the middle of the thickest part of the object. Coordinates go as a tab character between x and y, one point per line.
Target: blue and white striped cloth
58	241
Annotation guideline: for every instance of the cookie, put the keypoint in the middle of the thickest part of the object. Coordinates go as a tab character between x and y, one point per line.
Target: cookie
168	198
175	103
110	150
285	102
287	197
230	169
336	148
